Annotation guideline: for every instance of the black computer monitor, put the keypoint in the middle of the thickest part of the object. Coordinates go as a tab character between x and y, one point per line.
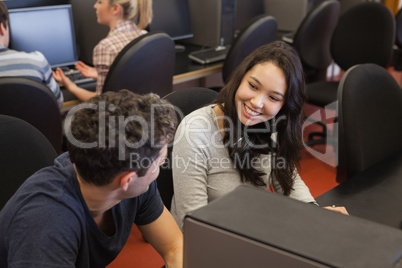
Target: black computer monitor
172	17
251	227
88	32
48	29
246	10
288	14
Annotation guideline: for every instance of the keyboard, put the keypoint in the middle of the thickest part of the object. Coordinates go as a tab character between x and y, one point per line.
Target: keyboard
209	55
288	37
77	77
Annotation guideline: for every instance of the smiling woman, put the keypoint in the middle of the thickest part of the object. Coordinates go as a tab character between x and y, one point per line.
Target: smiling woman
253	131
261	94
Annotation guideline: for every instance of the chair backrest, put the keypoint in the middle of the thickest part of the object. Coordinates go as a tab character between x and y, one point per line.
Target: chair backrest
24	150
313	37
370	118
186	101
33	102
144	65
365	33
260	31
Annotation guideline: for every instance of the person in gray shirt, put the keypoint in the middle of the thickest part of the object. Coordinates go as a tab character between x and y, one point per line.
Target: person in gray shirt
252	134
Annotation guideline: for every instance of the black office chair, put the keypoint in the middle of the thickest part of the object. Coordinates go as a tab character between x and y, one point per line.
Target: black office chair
24	150
186	101
370	118
365	33
259	31
312	39
35	103
145	65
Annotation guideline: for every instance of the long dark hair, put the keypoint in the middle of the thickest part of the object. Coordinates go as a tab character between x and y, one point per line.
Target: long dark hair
286	124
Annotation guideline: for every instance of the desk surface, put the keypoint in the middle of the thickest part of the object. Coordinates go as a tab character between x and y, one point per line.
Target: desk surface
185	70
375	194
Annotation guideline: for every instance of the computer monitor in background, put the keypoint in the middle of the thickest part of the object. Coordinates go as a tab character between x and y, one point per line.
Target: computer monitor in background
48	29
88	32
246	10
172	17
289	14
251	227
213	22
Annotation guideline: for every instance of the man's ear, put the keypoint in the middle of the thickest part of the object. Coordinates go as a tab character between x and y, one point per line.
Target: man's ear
2	29
126	179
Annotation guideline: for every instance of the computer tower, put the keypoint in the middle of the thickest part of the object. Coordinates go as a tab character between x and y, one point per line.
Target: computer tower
213	22
288	13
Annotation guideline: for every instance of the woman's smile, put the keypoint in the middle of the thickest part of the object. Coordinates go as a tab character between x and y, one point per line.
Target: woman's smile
250	112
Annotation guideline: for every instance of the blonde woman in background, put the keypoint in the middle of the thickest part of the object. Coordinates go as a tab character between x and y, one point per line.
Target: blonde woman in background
120	16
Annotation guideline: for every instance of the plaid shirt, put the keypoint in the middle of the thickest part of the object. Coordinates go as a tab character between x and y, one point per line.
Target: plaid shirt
108	48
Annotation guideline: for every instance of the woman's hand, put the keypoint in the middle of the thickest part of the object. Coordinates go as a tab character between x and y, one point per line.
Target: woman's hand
62	78
86	70
338	209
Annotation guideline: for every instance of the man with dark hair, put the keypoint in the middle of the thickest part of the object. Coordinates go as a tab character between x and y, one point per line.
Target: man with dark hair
79	212
30	65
